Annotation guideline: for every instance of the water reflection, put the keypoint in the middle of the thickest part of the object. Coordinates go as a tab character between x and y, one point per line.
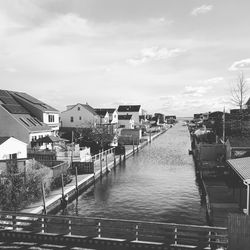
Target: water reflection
158	184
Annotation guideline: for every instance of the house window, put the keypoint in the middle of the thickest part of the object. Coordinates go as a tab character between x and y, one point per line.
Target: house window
80	118
51	118
71	119
78	108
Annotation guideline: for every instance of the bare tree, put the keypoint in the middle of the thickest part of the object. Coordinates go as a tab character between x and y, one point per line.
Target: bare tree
239	91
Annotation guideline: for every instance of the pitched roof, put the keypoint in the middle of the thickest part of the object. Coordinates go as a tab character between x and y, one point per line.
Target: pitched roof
124	117
86	106
241	166
103	111
3	139
32	101
129	108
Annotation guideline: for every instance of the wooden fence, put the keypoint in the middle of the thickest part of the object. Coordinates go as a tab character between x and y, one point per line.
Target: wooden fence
127	231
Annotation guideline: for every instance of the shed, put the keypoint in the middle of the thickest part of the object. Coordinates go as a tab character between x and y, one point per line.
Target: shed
241	166
12	148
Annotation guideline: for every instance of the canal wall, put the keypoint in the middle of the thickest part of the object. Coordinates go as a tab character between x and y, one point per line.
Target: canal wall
53	200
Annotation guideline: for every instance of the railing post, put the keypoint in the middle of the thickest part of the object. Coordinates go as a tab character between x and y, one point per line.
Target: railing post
100	163
106	157
136	232
42	225
114	159
99	229
14	222
209	240
70	226
175	235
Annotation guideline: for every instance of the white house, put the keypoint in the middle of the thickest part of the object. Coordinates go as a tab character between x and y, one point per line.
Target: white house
107	115
135	110
11	148
79	115
126	121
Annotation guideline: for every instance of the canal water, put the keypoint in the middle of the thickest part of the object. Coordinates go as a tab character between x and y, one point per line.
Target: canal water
157	184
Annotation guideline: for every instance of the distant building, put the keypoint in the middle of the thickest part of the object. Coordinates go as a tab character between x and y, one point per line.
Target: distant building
126	121
79	115
160	117
25	117
107	115
170	119
11	148
135	110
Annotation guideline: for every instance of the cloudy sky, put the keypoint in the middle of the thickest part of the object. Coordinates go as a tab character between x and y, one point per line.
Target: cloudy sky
172	56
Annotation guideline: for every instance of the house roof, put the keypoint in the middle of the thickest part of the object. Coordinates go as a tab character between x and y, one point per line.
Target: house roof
248	102
21	96
103	111
124	117
86	106
239	141
241	166
129	108
3	139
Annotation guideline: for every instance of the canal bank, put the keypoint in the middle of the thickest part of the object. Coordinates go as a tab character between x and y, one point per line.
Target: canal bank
159	184
77	186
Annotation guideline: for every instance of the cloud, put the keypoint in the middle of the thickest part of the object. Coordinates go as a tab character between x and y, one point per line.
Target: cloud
153	54
201	10
213	80
196	91
240	65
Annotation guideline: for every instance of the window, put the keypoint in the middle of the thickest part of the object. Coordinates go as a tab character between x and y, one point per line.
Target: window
71	119
80	118
51	118
78	108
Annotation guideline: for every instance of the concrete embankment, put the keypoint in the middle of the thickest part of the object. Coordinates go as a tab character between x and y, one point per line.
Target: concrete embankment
53	200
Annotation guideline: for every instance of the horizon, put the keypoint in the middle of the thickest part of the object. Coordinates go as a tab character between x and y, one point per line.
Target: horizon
172	57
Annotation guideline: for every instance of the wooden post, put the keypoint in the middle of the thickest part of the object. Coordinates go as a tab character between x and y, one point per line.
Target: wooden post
114	159
136	232
175	236
133	146
100	155
124	156
62	185
106	155
150	137
138	145
44	202
76	174
14	222
120	159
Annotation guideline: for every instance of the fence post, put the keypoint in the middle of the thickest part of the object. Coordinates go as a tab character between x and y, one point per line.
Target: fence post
99	229
136	232
114	159
209	240
14	222
100	155
42	225
106	155
70	226
175	236
133	146
76	174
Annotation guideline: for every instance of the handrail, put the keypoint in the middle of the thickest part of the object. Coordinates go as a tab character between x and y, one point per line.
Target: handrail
166	233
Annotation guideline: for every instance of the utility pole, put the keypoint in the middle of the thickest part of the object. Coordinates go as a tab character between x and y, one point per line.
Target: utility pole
223	126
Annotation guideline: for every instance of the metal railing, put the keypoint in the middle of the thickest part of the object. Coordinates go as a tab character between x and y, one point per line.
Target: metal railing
127	230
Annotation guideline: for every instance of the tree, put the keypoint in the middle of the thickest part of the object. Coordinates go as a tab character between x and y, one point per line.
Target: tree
238	97
239	91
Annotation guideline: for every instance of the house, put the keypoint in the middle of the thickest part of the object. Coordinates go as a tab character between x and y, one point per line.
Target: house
135	110
79	115
42	111
18	121
160	117
240	174
126	121
12	148
107	115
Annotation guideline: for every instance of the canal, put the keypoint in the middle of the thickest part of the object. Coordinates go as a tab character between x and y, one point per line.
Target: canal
157	184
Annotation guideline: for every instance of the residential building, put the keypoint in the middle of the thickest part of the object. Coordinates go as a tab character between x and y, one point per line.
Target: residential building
79	115
107	115
160	117
126	121
11	148
42	111
135	110
17	121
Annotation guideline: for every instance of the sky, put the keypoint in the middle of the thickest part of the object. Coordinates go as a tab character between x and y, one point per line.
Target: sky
177	57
